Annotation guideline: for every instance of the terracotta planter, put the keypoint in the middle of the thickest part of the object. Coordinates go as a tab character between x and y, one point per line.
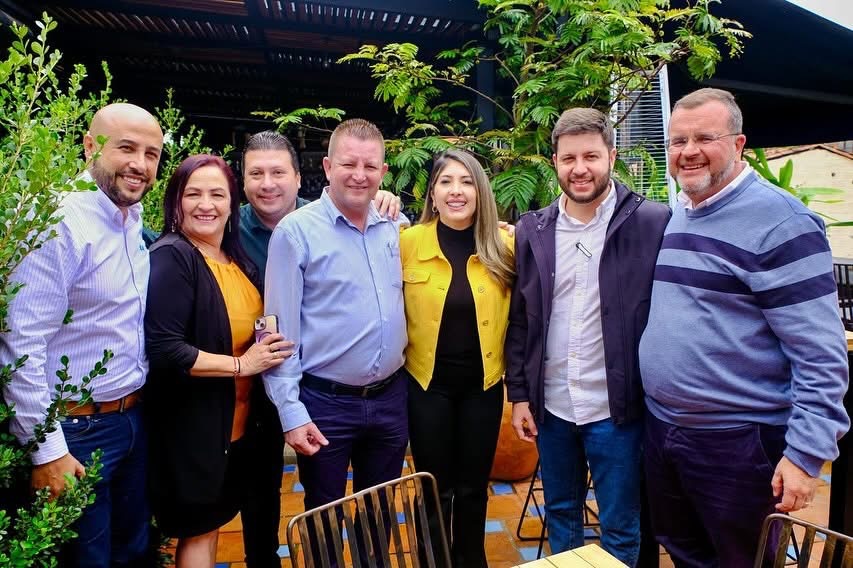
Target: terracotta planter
514	459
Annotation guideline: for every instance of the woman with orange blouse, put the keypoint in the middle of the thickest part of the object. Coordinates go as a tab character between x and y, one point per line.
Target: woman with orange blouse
203	299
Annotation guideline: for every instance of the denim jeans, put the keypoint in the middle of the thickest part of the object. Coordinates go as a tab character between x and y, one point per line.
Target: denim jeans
113	530
614	457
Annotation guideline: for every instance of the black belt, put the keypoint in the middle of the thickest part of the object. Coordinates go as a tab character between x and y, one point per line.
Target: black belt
328	386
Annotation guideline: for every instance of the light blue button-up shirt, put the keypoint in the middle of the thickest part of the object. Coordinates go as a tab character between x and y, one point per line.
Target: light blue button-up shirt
338	294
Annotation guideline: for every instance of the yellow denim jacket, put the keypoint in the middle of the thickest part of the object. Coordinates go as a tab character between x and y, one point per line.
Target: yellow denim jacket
426	277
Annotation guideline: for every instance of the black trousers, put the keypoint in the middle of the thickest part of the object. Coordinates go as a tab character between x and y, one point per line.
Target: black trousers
453	431
261	513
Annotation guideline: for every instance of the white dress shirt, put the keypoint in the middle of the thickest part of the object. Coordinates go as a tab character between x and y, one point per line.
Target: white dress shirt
575	375
97	266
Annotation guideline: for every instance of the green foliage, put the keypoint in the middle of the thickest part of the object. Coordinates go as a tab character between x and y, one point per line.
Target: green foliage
42	121
757	158
550	55
298	116
179	142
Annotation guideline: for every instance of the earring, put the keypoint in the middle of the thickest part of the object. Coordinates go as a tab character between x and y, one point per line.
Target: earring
434	208
229	224
174	226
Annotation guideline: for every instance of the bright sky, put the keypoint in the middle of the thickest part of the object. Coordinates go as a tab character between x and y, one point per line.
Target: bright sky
840	11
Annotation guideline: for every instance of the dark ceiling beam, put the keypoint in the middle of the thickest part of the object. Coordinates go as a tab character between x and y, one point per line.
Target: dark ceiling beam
452	9
20	11
331	36
254	20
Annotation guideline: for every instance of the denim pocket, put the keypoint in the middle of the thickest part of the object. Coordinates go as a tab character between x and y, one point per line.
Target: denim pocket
76	427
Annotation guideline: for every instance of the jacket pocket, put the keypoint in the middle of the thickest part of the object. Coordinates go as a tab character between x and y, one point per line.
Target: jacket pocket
415	276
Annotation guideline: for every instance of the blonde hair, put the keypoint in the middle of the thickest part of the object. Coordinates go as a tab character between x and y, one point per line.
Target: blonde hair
491	250
357	128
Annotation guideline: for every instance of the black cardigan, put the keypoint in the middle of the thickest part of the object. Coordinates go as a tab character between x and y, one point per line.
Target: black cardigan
189	418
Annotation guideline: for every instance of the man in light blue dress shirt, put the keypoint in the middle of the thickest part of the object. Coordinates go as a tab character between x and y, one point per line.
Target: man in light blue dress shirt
339	297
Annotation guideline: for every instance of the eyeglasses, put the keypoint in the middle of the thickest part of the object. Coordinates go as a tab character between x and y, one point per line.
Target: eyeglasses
679	143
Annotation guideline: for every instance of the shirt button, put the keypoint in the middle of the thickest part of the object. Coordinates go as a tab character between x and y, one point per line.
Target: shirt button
481	289
485	323
573	355
489	355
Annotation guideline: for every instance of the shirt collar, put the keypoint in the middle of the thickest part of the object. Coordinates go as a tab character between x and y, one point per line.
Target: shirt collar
685	200
251	220
603	212
334	213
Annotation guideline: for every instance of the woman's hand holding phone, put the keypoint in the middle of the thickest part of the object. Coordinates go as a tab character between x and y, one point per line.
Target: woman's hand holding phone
270	351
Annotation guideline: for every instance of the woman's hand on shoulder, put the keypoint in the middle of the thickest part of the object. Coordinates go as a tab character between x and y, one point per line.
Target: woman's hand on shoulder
268	352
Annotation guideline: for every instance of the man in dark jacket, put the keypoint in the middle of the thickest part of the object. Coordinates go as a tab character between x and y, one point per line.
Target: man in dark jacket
571	347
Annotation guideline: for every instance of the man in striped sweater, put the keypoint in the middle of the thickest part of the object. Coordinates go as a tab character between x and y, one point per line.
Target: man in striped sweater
744	360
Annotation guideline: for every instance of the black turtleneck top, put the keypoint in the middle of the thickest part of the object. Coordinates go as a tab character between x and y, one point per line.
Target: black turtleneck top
458	350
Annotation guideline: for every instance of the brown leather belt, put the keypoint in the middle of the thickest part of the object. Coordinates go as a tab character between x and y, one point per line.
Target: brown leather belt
121	405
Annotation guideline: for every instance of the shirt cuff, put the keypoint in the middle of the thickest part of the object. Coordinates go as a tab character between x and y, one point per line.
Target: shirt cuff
807	463
293	415
53	447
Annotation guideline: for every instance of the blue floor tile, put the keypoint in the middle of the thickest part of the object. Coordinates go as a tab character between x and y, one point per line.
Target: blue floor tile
401	518
297	488
826	477
590	495
590	533
494	527
289	468
349	476
501	488
283	551
222	565
528	553
533	511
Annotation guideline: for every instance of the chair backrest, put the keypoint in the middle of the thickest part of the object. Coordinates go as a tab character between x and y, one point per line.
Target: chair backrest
384	521
836	548
843	272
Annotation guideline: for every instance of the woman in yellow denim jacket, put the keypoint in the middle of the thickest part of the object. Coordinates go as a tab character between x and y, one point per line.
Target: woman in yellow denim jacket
457	274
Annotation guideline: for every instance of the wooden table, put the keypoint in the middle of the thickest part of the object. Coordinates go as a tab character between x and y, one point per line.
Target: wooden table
589	556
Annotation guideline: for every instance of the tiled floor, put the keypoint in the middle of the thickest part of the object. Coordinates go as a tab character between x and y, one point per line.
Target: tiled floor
503	547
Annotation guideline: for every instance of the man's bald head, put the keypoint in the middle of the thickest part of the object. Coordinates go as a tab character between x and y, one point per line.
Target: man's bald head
127	166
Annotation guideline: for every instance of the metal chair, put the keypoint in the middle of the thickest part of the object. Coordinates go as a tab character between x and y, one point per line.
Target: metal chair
837	548
384	521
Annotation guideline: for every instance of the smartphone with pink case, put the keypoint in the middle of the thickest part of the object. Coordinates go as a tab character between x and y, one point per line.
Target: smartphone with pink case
265	325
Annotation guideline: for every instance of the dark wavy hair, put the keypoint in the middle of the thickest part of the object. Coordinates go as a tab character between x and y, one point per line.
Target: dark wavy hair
173	216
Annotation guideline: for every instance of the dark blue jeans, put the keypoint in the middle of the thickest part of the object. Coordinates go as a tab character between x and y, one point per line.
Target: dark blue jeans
709	490
614	457
113	530
370	433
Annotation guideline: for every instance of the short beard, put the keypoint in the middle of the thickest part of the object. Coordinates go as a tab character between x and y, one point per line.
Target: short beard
701	190
107	183
598	190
